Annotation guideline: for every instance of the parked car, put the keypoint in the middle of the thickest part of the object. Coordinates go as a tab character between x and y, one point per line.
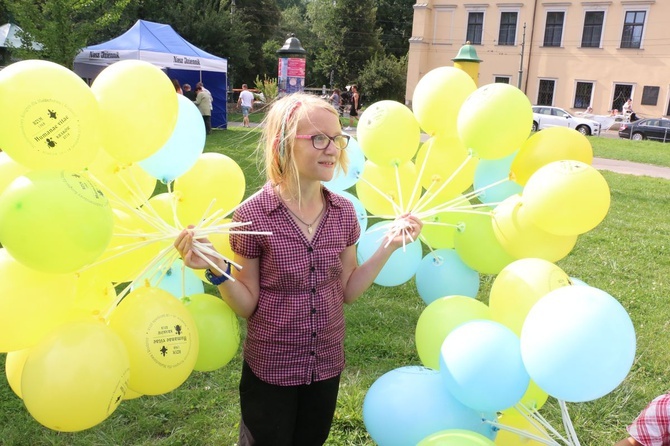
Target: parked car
545	117
655	129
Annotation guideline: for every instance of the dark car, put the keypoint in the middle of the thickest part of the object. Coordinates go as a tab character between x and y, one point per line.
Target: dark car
654	129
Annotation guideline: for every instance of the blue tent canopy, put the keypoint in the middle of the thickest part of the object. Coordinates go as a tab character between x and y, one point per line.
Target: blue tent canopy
160	45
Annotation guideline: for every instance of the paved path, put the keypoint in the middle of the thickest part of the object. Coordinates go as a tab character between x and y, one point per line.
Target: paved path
625	167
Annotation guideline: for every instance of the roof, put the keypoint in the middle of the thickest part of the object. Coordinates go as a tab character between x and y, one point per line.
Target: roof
8	37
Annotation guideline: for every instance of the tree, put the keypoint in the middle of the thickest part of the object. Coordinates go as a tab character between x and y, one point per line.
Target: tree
394	18
62	27
384	77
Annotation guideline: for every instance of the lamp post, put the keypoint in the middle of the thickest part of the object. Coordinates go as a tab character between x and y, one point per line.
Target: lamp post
291	69
467	60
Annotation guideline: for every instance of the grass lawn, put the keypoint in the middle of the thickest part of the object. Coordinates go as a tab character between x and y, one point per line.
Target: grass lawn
626	256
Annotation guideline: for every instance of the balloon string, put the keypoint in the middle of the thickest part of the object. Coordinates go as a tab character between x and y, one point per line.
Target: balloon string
446	182
536	418
465	208
385	196
570	428
173	204
417	183
397	182
523	433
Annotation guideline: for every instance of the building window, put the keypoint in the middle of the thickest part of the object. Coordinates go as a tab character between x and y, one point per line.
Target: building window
650	95
621	94
475	27
507	35
583	94
632	29
593	29
553	30
545	94
501	80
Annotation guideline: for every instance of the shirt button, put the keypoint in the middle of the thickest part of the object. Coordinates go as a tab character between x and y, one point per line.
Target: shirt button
313	310
310	249
312	353
313	290
312	269
313	334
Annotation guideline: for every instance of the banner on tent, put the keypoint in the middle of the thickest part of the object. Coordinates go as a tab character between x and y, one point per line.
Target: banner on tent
175	61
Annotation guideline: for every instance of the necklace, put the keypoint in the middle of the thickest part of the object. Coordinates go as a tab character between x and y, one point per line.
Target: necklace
309	225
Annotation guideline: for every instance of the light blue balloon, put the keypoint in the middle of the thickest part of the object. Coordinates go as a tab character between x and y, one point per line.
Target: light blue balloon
402	264
342	181
442	273
578	343
577	282
491	171
480	363
182	150
361	213
407	404
171	280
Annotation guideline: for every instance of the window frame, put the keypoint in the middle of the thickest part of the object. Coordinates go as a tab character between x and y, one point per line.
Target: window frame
553	91
471	33
576	94
508	27
643	25
592	27
554	27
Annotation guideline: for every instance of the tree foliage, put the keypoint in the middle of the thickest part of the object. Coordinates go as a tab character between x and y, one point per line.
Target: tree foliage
384	77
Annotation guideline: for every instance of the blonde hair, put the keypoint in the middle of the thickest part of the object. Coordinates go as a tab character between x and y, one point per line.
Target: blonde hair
278	139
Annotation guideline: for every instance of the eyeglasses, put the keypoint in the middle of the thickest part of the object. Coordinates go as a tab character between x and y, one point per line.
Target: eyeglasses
321	141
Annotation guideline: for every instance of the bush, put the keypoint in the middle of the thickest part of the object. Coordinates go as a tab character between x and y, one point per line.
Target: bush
383	77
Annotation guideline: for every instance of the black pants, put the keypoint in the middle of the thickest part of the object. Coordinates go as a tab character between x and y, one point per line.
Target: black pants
285	415
208	123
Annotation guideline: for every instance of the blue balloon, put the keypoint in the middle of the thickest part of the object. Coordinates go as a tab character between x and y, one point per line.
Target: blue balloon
173	280
577	282
492	171
183	148
361	213
407	404
442	273
402	264
480	362
342	181
578	343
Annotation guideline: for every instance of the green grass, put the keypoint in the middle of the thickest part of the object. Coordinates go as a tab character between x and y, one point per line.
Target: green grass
648	152
626	255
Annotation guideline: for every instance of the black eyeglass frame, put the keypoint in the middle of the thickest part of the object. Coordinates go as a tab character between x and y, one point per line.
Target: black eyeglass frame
330	139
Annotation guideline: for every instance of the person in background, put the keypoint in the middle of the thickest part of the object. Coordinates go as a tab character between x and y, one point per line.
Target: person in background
203	100
190	94
652	425
246	102
355	106
293	284
177	87
336	100
202	86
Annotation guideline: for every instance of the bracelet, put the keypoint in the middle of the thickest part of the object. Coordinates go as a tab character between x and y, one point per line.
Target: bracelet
217	280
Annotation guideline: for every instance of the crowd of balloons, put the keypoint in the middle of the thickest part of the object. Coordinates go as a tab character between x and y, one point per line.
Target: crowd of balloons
498	200
91	290
78	217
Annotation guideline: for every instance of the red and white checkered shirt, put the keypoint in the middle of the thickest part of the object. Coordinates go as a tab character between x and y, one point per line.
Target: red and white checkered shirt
652	426
296	334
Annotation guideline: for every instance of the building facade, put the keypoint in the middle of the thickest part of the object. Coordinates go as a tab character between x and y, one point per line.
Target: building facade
569	54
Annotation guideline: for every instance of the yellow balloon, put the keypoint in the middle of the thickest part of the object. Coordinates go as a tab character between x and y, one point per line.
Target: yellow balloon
443	160
76	377
126	185
437	98
533	399
32	303
161	338
380	186
495	120
54	221
440	229
50	117
477	245
95	293
517	421
521	238
552	144
216	182
388	133
218	331
519	286
9	170
566	198
138	109
439	319
14	363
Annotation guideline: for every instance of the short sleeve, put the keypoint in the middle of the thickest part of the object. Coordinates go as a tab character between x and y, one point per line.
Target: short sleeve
246	245
353	227
652	426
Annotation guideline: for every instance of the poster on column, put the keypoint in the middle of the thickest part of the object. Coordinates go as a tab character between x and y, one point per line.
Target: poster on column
291	74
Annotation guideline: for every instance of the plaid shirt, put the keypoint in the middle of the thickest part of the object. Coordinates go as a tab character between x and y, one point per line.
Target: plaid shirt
652	426
296	334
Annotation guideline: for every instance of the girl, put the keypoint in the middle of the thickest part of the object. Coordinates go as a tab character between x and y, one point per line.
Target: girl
293	283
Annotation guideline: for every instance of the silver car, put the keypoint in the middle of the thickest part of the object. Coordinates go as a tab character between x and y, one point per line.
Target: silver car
545	117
